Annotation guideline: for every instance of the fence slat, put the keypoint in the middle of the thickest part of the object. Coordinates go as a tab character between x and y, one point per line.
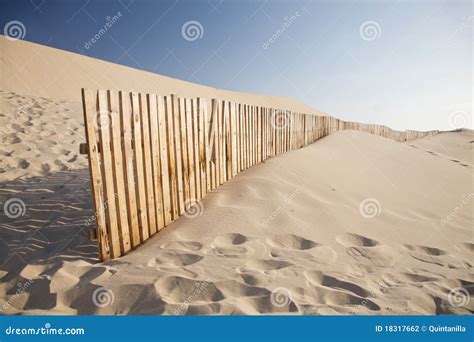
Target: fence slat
247	137
149	184
190	142
228	141
103	123
90	115
165	176
218	143
156	160
118	171
184	153
202	112
127	124
241	138
197	165
140	168
178	160
207	132
233	128
213	143
172	158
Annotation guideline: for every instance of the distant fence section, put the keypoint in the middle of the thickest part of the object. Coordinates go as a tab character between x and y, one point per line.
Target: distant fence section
153	157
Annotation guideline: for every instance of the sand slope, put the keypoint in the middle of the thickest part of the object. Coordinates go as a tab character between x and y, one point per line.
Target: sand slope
286	236
38	70
39	136
458	148
353	224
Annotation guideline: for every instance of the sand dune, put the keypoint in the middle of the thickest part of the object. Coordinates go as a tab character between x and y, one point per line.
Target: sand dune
458	148
353	224
39	136
286	236
39	70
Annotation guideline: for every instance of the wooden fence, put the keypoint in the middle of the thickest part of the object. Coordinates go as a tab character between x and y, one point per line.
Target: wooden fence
153	157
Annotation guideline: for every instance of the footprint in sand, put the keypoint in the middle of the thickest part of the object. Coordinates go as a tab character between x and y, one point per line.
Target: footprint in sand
432	251
343	299
175	259
290	241
267	265
191	246
254	278
176	289
355	240
402	278
229	246
468	247
320	279
436	256
364	250
232	252
230	239
181	271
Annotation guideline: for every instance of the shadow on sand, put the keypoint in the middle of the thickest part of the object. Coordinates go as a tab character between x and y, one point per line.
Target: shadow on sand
43	221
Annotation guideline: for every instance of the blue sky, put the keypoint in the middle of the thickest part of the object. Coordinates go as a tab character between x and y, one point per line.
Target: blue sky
406	64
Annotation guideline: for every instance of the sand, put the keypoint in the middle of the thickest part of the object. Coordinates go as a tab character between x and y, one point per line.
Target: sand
38	70
352	224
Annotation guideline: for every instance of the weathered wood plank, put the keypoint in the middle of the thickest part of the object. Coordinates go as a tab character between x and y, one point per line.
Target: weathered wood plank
221	144
228	140
140	168
178	160
184	153
164	157
190	150
156	160
207	133
197	165
172	158
126	125
89	105
233	128
202	113
103	122
118	171
147	157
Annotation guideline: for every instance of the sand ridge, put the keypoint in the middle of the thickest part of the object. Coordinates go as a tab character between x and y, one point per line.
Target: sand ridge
316	255
353	224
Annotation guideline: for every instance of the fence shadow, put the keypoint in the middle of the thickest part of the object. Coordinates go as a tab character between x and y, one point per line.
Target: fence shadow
43	220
